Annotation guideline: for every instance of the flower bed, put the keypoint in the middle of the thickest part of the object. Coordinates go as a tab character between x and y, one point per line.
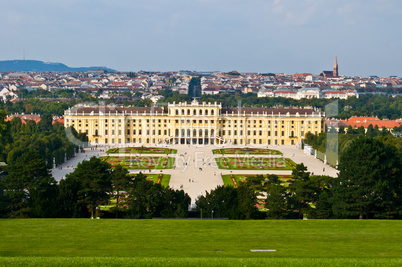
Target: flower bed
141	162
142	150
255	163
235	179
251	151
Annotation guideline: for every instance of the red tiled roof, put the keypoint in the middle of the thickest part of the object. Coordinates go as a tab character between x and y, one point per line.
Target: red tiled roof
387	124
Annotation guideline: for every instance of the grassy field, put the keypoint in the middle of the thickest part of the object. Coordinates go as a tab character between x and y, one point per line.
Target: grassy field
85	242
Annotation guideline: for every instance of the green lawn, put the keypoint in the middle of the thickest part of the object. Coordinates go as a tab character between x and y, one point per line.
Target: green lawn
246	150
143	162
200	242
142	150
254	163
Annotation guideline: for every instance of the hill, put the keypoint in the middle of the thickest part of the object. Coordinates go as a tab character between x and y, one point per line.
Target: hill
40	66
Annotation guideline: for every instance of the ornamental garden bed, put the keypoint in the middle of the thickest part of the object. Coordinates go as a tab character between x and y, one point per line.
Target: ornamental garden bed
246	150
163	179
142	150
255	163
133	162
235	179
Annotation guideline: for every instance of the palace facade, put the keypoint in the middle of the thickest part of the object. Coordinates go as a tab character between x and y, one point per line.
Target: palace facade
194	123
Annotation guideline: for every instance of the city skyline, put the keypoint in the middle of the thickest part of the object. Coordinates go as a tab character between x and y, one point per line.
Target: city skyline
247	36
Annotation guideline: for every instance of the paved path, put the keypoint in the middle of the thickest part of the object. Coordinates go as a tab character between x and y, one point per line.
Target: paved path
191	159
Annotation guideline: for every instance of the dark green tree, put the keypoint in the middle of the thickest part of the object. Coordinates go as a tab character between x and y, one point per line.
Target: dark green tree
141	200
229	202
370	131
276	202
369	182
351	130
341	129
28	178
255	181
301	191
361	130
95	183
69	205
121	182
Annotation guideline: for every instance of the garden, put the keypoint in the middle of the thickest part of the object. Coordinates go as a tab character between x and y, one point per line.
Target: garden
246	150
142	150
163	179
134	162
235	179
255	163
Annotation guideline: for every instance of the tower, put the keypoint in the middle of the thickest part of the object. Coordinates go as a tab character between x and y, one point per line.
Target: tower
335	72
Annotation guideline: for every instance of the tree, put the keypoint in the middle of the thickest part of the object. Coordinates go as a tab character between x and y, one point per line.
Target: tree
276	202
121	182
341	129
28	178
45	123
361	130
143	199
229	202
93	177
246	201
68	200
370	131
369	182
301	190
351	130
255	181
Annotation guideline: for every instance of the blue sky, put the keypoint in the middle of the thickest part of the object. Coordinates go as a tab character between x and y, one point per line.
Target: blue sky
207	35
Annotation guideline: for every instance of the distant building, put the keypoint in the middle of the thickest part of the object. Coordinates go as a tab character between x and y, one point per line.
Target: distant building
331	74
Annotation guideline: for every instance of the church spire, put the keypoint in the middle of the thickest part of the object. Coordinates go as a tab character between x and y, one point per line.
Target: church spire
335	72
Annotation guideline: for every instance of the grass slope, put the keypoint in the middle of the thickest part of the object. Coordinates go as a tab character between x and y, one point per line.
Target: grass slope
201	242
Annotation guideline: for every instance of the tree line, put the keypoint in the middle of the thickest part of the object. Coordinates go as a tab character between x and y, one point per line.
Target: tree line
31	192
368	186
48	139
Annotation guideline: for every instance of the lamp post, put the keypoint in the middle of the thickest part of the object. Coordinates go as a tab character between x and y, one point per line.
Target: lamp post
212	214
201	214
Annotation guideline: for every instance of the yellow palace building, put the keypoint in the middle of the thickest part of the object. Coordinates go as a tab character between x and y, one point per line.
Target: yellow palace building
194	123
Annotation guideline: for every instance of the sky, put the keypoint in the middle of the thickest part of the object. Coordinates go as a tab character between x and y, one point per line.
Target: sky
279	36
